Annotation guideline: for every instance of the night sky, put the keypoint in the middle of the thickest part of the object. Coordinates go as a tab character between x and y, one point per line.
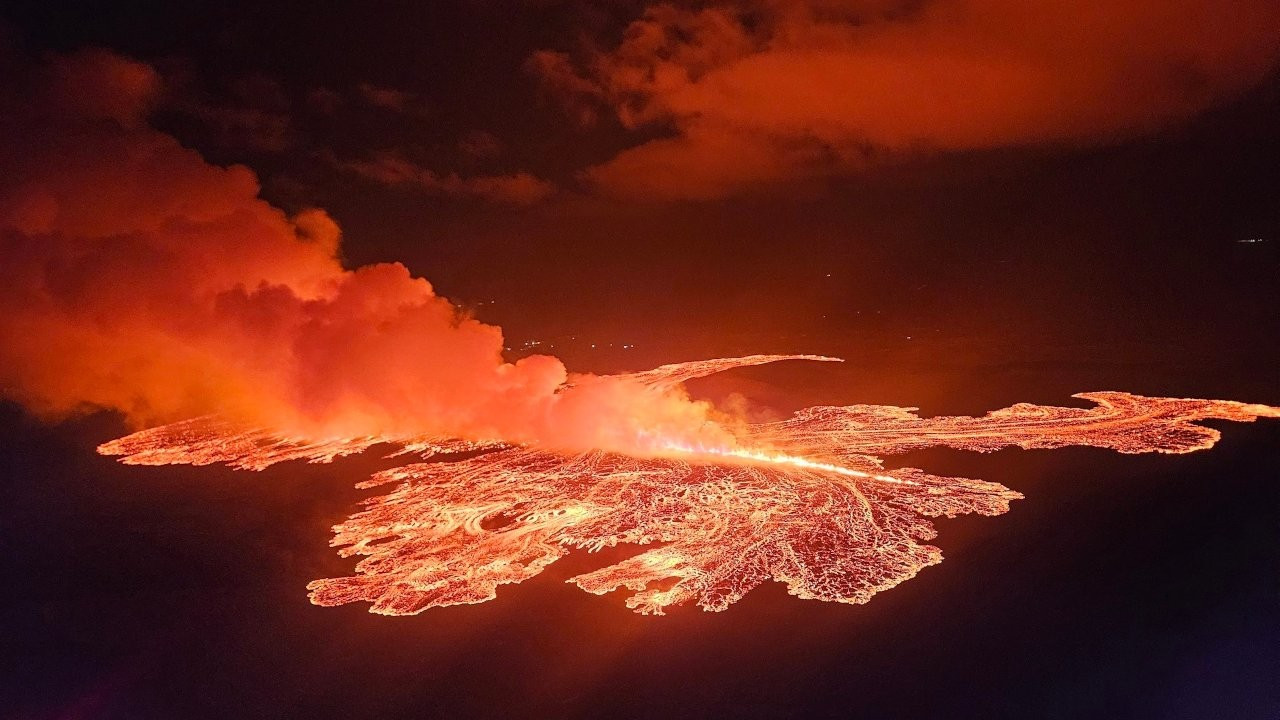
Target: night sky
974	204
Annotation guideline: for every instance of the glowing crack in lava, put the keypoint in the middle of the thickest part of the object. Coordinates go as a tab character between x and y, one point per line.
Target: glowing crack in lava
804	501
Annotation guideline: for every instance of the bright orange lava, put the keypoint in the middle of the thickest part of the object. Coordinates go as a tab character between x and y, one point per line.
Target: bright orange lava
804	501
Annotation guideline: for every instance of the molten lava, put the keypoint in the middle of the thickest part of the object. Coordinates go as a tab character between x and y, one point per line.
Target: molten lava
804	501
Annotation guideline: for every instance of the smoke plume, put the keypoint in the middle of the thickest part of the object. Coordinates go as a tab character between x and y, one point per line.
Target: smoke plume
140	278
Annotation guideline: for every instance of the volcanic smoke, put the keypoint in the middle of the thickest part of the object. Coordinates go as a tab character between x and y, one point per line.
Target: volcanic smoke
141	279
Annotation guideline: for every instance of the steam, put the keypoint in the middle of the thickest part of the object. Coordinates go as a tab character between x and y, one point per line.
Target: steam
140	278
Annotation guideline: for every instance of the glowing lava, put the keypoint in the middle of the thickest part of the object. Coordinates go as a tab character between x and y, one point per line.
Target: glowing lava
804	501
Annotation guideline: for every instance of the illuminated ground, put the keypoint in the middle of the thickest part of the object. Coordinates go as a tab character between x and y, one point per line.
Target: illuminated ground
804	501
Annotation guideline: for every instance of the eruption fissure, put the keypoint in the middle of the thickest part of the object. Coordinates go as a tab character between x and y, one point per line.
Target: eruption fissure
767	458
805	501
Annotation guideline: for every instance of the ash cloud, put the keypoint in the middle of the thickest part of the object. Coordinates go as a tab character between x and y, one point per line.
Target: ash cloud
759	91
140	278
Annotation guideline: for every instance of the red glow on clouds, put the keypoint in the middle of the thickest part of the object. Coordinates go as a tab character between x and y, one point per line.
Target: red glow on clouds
756	92
142	279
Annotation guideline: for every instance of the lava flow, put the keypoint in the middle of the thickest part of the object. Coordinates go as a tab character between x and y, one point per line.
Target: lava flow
804	501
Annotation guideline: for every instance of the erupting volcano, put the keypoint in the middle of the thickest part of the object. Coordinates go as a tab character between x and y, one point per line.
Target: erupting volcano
526	322
144	280
805	501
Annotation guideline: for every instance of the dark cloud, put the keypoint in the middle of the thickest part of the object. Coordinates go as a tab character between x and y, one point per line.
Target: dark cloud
480	145
386	98
252	113
245	127
395	169
324	101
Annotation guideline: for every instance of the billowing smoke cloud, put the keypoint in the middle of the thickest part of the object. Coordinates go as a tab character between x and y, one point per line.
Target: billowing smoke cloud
140	278
767	90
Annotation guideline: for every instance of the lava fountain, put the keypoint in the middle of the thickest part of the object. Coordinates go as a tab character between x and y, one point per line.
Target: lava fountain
805	501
